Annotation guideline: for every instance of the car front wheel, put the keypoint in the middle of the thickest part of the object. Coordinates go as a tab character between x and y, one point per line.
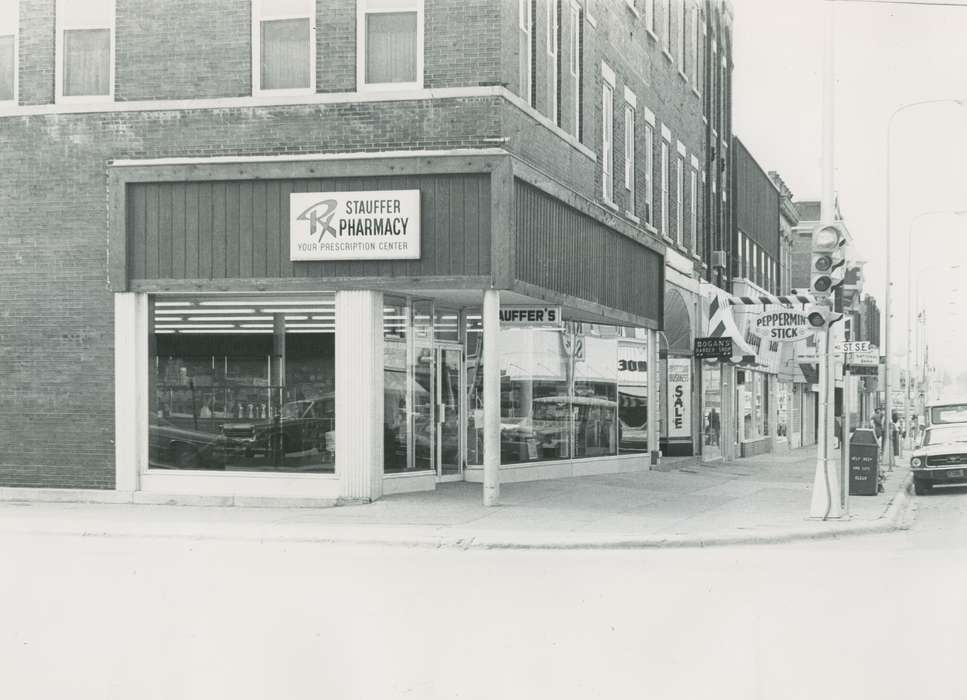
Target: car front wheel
920	487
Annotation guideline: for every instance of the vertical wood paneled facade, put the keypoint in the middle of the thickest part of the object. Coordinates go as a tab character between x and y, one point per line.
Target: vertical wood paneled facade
239	229
562	249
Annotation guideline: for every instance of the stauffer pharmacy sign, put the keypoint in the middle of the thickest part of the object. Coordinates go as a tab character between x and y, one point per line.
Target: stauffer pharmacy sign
380	225
783	326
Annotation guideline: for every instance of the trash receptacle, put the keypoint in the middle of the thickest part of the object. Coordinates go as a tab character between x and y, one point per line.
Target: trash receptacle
864	463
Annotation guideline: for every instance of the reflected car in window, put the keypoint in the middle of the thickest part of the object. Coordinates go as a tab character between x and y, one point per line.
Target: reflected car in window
171	446
305	425
940	458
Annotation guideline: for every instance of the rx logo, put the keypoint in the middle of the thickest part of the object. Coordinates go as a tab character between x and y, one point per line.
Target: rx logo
319	215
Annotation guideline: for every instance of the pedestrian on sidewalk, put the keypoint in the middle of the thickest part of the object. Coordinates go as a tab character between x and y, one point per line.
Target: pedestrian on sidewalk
895	435
878	428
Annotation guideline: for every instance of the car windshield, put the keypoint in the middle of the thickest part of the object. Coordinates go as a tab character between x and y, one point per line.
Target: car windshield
946	434
949	413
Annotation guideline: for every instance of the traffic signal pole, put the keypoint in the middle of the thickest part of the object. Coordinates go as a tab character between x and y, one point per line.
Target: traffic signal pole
826	482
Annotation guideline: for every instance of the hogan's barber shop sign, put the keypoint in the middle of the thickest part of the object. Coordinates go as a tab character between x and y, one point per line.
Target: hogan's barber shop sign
380	225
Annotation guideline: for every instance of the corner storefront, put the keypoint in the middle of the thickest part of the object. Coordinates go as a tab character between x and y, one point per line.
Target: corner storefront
325	328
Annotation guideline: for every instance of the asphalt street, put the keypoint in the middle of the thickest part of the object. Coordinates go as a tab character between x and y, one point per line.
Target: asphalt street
879	616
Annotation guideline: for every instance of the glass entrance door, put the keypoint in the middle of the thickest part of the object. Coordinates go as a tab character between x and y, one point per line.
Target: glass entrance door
449	411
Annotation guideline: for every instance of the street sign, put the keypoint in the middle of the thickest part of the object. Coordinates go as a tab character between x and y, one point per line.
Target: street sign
871	359
854	346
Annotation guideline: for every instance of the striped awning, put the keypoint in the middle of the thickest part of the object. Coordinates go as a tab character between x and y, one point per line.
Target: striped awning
767	299
721	322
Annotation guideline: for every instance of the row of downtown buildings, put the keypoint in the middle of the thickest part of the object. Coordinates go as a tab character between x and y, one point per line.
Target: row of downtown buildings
168	323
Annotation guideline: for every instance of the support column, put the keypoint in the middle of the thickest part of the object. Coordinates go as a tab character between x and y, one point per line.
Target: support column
359	394
653	404
131	403
491	398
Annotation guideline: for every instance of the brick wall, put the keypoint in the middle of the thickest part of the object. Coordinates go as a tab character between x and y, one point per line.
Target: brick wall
180	49
56	319
36	52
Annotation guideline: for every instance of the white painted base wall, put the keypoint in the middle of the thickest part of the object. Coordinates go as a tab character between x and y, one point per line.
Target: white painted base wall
564	468
240	484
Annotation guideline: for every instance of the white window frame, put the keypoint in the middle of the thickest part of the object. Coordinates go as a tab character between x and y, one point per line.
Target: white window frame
693	67
525	22
680	200
693	210
700	60
553	47
576	64
664	164
11	25
649	139
631	104
387	6
60	28
257	18
667	33
607	132
681	46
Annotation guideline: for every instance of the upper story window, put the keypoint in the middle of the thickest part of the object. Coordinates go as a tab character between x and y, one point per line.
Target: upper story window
666	39
607	132
283	46
680	34
8	51
85	50
631	173
389	36
649	166
553	60
577	51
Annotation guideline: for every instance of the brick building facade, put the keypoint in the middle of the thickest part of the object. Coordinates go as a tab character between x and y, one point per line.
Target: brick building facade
150	158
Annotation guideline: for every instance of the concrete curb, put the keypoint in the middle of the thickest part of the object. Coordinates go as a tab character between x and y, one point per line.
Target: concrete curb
388	535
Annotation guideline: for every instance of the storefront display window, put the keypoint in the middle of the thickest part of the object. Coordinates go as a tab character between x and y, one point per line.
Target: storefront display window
632	397
241	384
753	407
563	393
784	410
535	406
595	401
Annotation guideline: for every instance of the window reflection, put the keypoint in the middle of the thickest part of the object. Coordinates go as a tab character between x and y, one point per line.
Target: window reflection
242	395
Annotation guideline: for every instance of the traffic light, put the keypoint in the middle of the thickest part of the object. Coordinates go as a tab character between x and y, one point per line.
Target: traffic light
828	260
821	317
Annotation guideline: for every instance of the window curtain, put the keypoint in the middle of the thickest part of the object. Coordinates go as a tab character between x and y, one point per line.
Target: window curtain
391	47
87	61
285	54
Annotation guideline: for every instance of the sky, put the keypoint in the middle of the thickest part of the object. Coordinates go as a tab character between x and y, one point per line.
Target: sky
886	55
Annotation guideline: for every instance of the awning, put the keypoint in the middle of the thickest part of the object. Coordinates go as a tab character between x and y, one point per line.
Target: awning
721	322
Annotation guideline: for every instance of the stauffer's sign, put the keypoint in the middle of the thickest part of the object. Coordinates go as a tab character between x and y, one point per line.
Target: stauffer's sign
378	225
783	326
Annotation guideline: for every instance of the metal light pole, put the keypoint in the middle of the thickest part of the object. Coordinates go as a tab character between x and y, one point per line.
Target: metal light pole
909	381
922	358
888	431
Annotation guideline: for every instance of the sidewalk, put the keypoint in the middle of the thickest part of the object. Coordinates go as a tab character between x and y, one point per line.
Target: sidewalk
754	500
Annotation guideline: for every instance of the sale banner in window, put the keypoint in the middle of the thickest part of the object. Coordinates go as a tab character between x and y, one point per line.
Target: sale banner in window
679	397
